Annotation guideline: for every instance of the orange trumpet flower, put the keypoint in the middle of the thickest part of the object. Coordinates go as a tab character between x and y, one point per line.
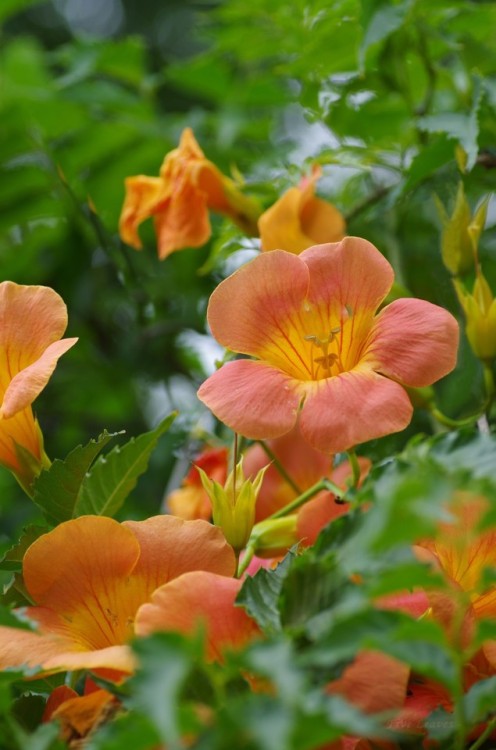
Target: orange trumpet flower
179	199
32	320
90	576
300	219
321	351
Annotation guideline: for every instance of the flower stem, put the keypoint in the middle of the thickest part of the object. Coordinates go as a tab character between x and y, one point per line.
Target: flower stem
323	484
491	725
453	423
247	558
355	466
280	468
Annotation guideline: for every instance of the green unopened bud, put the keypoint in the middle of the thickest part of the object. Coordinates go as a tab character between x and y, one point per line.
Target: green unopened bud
456	244
274	536
233	506
480	313
478	223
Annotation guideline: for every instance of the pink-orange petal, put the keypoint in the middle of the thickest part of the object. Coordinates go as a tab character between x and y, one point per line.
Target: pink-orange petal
351	408
316	514
352	272
248	309
195	599
252	398
29	382
414	342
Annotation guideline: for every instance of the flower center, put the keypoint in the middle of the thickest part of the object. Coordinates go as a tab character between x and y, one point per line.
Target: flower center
325	360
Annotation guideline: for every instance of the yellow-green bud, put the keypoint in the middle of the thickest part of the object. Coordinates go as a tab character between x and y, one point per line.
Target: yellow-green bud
480	314
233	506
274	536
456	244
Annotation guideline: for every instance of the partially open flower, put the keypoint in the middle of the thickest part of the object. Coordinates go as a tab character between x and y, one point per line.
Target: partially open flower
300	219
32	320
179	199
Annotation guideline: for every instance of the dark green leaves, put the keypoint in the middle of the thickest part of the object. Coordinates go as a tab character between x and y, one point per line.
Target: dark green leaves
80	485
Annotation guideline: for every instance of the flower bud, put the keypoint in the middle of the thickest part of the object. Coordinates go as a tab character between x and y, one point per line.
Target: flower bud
233	505
274	536
480	314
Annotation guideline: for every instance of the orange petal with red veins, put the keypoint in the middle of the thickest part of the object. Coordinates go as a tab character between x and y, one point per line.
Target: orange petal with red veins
352	272
351	408
80	570
171	547
195	599
252	398
249	310
414	342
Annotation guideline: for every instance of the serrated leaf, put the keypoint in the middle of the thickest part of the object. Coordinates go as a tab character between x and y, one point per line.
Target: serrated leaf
260	595
56	491
12	560
114	476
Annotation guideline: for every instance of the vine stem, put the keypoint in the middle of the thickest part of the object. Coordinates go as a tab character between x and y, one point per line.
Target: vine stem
280	468
355	466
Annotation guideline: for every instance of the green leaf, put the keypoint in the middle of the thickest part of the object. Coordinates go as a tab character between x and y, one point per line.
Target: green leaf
10	7
12	560
462	128
480	701
383	23
166	660
56	491
260	595
114	476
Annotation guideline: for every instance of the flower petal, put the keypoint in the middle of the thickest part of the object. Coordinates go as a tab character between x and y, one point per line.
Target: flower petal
81	571
252	398
183	220
247	311
27	384
280	226
413	342
171	547
316	514
142	196
322	221
351	408
351	272
374	682
199	598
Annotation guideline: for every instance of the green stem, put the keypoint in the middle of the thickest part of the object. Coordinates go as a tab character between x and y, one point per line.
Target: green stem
355	466
243	564
280	468
489	385
323	484
485	734
454	423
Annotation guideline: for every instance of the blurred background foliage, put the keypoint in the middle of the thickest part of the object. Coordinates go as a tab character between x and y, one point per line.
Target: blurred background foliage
380	93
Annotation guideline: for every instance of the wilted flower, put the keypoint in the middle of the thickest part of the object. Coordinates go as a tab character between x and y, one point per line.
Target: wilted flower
179	199
32	320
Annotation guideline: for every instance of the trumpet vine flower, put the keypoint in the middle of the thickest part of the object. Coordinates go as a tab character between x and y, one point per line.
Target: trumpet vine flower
32	321
299	219
321	352
179	199
89	578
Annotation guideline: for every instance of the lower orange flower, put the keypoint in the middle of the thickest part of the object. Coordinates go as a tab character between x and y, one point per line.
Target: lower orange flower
90	577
